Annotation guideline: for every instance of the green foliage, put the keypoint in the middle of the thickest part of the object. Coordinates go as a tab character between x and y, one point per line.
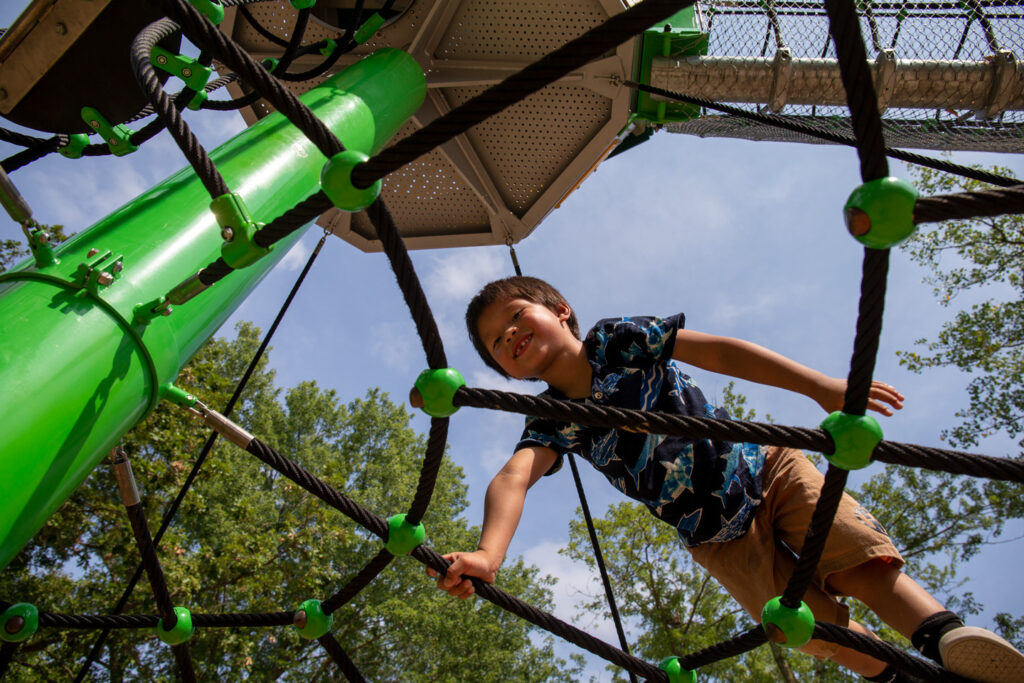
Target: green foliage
248	540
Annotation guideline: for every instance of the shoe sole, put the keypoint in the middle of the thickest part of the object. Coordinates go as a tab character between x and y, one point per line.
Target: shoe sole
981	655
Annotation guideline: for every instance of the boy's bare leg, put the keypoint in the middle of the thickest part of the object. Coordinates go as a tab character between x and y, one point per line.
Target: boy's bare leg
855	661
896	598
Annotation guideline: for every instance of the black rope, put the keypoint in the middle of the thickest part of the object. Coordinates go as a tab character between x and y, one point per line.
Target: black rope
207	448
744	642
966	205
152	565
432	459
920	669
497	98
6	656
375	566
341	658
599	558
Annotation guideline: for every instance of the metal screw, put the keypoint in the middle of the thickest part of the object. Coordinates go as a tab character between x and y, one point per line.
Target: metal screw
94	124
14	624
228	234
62	28
186	72
43	237
117	267
300	618
114	142
92	252
104	278
167	311
162	59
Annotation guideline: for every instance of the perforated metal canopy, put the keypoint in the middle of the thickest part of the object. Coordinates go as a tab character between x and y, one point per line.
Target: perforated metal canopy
500	179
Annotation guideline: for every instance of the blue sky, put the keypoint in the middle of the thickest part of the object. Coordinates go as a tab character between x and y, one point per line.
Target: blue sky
746	238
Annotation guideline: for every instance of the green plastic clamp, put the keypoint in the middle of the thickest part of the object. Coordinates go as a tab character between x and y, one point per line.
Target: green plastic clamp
330	45
39	244
144	314
336	181
437	389
213	11
302	4
676	672
787	626
196	103
270	63
880	213
402	536
310	620
18	622
369	27
116	137
182	631
178	396
102	270
237	228
77	142
188	69
855	437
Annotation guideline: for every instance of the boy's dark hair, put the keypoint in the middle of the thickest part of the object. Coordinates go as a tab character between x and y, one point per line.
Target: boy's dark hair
516	287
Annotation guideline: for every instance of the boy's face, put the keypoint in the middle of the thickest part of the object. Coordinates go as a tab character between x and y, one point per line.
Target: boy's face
524	337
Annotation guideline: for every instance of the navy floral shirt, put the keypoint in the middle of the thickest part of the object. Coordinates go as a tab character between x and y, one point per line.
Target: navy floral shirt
707	490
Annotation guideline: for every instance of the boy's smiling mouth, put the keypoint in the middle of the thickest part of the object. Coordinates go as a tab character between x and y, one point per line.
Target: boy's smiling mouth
521	345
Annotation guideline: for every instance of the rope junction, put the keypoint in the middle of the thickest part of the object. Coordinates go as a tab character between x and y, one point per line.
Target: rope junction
869	142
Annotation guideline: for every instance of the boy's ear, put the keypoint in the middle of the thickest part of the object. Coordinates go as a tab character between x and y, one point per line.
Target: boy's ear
564	312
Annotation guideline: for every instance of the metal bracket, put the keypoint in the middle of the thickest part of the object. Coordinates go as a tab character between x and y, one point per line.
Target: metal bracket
1006	82
116	137
188	69
101	271
782	73
885	78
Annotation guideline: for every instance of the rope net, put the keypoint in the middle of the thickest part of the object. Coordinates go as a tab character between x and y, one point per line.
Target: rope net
863	125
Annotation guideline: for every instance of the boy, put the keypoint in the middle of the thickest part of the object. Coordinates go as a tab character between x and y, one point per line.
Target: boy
741	510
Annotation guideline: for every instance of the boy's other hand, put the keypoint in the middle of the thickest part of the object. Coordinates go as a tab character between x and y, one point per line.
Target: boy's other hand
477	563
882	398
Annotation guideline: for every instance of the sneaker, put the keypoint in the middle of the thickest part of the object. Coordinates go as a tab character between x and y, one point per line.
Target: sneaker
981	655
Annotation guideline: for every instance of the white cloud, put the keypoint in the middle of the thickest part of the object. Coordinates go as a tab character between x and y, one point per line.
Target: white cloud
456	277
395	346
295	258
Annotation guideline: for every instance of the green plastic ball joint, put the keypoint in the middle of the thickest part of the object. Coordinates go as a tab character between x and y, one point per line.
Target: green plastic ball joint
676	672
310	620
880	213
302	4
855	437
787	626
434	391
336	181
402	536
182	631
77	142
19	622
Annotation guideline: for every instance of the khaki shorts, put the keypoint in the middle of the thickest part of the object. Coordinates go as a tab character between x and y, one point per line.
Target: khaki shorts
756	567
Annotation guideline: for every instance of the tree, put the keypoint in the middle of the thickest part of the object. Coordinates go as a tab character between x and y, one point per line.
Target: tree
12	251
248	540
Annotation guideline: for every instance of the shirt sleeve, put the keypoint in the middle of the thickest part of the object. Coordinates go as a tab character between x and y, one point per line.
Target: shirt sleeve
633	342
560	437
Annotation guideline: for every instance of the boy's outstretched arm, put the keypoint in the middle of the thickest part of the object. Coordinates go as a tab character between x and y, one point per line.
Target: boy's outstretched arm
746	360
503	506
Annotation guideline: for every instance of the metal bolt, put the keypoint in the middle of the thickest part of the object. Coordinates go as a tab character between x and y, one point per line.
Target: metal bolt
228	234
94	124
92	252
186	72
62	28
300	618
167	311
104	278
114	142
14	624
43	237
117	267
162	59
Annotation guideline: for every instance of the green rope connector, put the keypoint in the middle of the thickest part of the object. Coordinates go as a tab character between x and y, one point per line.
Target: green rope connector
336	181
787	626
402	536
196	103
144	314
329	46
40	246
213	11
310	620
880	213
116	137
270	63
237	228
675	671
434	390
302	4
182	631
188	69
855	437
18	622
77	142
178	396
369	27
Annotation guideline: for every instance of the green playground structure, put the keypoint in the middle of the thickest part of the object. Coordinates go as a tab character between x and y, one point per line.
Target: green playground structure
92	341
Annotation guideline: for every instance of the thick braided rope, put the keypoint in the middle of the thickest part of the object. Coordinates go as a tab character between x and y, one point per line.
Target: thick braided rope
6	655
791	124
360	581
183	657
546	621
735	646
151	562
341	658
432	459
204	34
516	87
965	205
879	649
874	275
957	462
844	26
145	74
